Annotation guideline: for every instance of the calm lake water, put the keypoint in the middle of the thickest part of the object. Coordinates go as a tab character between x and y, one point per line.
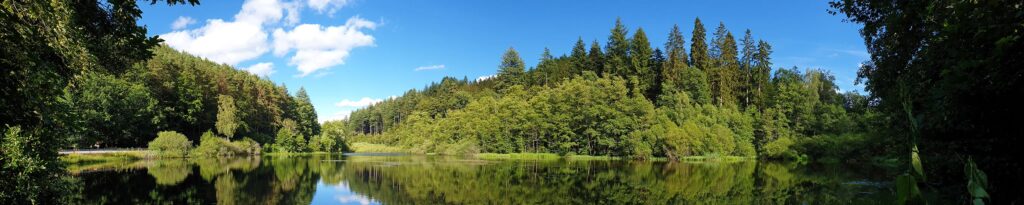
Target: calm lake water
414	179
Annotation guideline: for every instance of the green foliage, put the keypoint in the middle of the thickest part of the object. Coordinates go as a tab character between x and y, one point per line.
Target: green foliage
170	144
227	119
610	114
950	71
511	71
288	140
306	115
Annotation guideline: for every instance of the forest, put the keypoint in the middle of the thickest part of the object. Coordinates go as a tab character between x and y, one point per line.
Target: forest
938	102
625	98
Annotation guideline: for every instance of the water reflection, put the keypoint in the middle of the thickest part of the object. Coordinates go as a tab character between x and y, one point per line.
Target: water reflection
336	179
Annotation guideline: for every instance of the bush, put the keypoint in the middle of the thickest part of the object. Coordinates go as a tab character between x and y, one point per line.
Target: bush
170	144
213	145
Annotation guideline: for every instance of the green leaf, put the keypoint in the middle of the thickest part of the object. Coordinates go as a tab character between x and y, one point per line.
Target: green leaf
915	161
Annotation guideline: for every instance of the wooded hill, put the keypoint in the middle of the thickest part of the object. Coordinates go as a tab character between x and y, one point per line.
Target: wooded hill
626	98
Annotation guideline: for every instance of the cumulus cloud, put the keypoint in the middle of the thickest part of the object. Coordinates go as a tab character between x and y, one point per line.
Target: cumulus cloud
317	47
248	35
330	6
261	69
430	67
365	101
231	42
182	22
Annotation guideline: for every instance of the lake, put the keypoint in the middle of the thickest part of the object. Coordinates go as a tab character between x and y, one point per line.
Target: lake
418	179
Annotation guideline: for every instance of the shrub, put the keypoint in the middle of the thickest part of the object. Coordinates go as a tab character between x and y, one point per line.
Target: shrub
213	145
248	146
170	144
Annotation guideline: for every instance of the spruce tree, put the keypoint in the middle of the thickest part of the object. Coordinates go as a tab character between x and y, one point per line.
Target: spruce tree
699	47
579	57
306	115
762	67
596	58
723	74
747	69
512	69
618	50
675	46
640	58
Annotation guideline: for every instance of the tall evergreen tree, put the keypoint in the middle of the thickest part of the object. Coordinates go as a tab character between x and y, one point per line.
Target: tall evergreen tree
618	50
657	63
675	47
596	58
762	67
512	70
747	69
640	58
699	47
723	74
307	122
579	57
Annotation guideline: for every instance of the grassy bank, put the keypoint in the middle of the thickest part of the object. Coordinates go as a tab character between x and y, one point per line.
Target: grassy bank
76	158
369	147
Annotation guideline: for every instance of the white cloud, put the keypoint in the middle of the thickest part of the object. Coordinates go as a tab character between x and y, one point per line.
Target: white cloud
430	67
365	101
261	69
482	78
318	47
220	41
182	22
327	5
231	42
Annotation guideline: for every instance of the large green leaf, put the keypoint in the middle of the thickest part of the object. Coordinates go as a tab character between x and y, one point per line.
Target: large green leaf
915	161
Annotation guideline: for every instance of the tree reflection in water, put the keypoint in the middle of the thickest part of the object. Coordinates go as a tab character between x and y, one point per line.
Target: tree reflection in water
459	180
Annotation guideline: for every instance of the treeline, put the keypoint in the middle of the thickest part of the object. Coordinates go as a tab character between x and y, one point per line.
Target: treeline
180	92
629	99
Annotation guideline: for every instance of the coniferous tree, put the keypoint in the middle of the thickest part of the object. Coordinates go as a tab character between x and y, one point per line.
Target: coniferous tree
579	57
596	58
307	122
747	69
511	71
657	65
699	47
675	48
640	58
618	51
761	75
723	74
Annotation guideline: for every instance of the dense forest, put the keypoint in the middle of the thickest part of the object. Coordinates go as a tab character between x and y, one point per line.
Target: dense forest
939	101
628	99
180	92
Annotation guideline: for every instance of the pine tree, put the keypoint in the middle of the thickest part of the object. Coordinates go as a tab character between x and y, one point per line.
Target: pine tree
618	50
699	47
596	58
579	57
640	58
762	74
746	69
511	71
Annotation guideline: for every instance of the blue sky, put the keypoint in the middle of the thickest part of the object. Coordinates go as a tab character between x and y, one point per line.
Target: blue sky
348	53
